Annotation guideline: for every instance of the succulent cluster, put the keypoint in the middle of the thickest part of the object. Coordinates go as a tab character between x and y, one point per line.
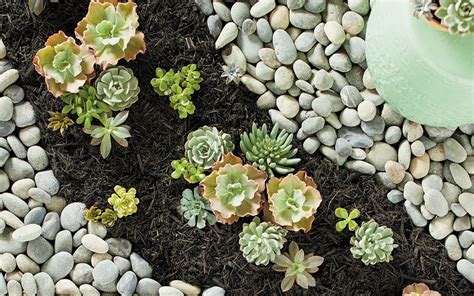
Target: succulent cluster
419	290
373	243
297	267
178	87
260	242
457	15
347	219
124	204
195	209
183	168
271	152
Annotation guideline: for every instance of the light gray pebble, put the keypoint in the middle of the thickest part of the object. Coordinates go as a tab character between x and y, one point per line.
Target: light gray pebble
356	137
228	34
355	48
395	196
6	128
214	25
17	169
239	12
322	106
37	158
453	248
6	108
303	19
306	100
322	80
81	274
435	202
358	154
417	148
72	217
24	114
15	93
285	49
441	227
361	167
7	262
317	58
302	70
374	127
17	147
27	233
141	267
249	27
466	268
312	125
58	266
305	41
266	101
51	225
285	123
77	237
4	182
14	288
47	181
352	22
304	86
393	134
343	147
340	62
66	287
415	214
331	48
460	176
10	219
454	151
29	284
366	110
327	135
462	223
222	10
320	35
311	145
147	287
432	182
82	255
127	283
44	284
340	81
362	7
264	30
335	32
105	272
63	242
205	6
351	96
349	117
15	204
30	135
39	195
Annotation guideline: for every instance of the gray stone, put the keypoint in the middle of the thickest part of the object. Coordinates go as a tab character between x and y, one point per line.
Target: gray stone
356	137
169	291
105	272
460	176
16	146
24	115
37	158
305	41
284	79
227	35
51	225
14	288
302	19
454	151
285	49
383	179
205	6
320	35
311	145
141	267
340	62
72	216
4	155
214	25
63	242
6	108
77	237
462	223
35	216
367	111
214	291
30	135
417	148
14	204
95	244
4	181
327	135
432	182
349	117
441	227
466	200
395	171
249	27
47	181
81	273
97	228
374	127
127	283
15	93
239	12
343	147
29	284
352	22
39	250
362	7
361	167
355	48
87	289
317	58
27	233
379	154
6	128
415	214
21	187
44	284
435	202
250	45
18	169
10	219
395	196
266	101
404	154
7	262
147	287
413	192
58	266
284	123
335	32
66	287
452	247
39	195
312	125
262	8
82	255
390	116
466	268
451	192
222	10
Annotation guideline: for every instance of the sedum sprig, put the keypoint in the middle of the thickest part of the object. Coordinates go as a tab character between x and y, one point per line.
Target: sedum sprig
183	168
108	218
347	219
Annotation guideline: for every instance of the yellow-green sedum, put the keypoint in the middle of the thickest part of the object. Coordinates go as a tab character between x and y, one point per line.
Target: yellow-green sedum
124	202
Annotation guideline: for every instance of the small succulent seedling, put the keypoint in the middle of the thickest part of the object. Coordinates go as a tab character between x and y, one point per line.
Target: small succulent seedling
231	74
195	209
124	202
59	122
348	219
420	289
108	218
93	214
191	173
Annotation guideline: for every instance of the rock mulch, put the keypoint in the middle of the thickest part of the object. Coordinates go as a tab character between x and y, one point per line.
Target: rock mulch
306	60
46	246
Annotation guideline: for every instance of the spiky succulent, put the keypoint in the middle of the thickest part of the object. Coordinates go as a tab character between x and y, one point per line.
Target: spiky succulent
373	243
419	290
424	8
347	219
457	15
118	88
93	214
124	202
112	129
260	241
59	122
231	74
206	146
234	190
183	168
297	267
108	217
65	65
269	152
292	201
110	29
195	209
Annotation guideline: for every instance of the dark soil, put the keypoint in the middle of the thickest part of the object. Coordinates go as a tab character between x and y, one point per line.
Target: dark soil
176	34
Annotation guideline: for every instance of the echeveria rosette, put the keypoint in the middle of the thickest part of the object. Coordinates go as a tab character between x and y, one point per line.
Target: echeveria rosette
419	289
124	202
292	201
234	190
65	65
108	218
118	88
260	241
206	146
373	243
195	209
457	16
110	29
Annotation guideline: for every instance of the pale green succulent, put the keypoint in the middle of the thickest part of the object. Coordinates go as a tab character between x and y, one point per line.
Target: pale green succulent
195	209
124	202
457	15
424	8
261	242
118	88
373	243
206	146
231	74
269	152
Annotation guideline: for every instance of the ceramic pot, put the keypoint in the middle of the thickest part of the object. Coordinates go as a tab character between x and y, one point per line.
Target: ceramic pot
425	74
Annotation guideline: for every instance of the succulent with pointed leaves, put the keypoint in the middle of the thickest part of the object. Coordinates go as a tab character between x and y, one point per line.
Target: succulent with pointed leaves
424	8
59	122
231	74
195	209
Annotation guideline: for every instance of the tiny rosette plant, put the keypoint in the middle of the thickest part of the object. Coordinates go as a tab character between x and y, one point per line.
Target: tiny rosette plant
297	267
124	202
110	29
269	152
59	122
65	65
419	290
260	242
457	16
163	81
231	74
206	146
118	88
93	214
373	243
292	201
347	219
195	209
108	218
233	189
183	168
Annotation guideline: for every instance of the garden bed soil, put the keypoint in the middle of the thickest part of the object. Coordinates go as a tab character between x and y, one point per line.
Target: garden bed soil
176	35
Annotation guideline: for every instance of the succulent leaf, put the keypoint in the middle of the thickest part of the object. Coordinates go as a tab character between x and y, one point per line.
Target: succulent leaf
347	219
195	209
93	214
118	88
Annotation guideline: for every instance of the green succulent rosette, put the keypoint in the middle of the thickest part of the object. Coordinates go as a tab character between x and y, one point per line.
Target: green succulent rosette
195	209
118	88
457	16
124	202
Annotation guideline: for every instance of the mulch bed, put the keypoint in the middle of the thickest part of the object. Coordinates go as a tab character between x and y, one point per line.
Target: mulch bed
176	35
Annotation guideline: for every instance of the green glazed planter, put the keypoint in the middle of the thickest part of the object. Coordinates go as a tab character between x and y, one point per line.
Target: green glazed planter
425	74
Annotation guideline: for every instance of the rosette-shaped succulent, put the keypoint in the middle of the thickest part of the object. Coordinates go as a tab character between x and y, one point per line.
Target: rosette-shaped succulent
419	290
59	122
260	242
118	88
207	145
93	214
234	190
195	209
269	152
108	218
65	65
373	243
112	129
292	201
124	202
110	29
457	15
190	173
231	74
424	8
297	267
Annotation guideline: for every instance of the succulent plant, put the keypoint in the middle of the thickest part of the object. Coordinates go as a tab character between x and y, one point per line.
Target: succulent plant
260	241
36	6
124	202
183	168
419	290
65	65
206	146
297	267
269	152
234	190
195	209
181	101
118	88
424	8
348	219
373	243
163	81
292	201
110	29
231	74
59	122
457	15
108	218
112	129
190	77
93	214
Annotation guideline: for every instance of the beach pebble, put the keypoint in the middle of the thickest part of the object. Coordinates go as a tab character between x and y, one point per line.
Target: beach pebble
105	272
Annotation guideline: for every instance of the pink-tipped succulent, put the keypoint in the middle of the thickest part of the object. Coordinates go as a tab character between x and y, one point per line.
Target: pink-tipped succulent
234	190
65	65
110	29
292	201
419	290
